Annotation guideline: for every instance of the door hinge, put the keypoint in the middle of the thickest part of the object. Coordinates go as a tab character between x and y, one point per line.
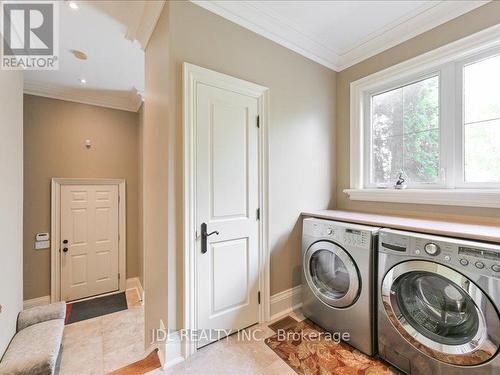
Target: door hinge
258	213
258	121
258	297
118	276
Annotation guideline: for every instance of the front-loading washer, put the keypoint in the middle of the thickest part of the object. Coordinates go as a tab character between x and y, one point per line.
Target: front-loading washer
439	302
338	279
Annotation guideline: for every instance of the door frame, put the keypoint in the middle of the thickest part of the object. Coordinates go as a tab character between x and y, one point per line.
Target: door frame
192	76
55	220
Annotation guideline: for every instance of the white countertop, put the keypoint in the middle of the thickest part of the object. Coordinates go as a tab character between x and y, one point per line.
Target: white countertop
482	232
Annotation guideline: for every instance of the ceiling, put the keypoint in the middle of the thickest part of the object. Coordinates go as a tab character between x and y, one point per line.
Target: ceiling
339	34
113	35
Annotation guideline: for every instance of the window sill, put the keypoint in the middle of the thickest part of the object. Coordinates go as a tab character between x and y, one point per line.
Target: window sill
448	197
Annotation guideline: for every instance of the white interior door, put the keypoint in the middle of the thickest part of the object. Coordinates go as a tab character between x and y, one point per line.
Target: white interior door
89	240
227	202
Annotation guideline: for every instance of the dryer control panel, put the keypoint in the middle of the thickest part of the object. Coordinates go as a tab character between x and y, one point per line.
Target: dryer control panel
341	233
472	256
355	237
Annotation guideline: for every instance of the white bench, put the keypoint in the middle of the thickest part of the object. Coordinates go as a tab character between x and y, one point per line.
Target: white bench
35	348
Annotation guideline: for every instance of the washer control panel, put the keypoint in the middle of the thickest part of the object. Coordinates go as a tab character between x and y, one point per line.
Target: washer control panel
431	248
477	257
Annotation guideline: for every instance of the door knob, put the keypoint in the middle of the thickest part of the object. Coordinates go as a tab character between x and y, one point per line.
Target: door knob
204	236
65	241
65	249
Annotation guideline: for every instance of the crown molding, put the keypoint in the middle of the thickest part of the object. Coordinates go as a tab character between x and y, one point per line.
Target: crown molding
282	31
252	17
399	32
146	23
126	101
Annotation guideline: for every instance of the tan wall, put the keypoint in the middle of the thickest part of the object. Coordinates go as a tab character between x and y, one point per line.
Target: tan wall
11	203
478	19
154	169
54	136
140	196
301	132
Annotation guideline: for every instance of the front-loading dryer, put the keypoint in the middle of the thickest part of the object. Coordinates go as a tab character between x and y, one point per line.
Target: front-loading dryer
338	279
439	302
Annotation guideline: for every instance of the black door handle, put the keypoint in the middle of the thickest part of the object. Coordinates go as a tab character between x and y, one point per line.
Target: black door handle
204	236
65	249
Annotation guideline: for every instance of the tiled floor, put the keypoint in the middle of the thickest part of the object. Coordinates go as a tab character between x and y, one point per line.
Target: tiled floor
233	356
103	344
100	345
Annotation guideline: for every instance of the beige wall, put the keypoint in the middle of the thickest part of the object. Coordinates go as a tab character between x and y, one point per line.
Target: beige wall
155	168
140	196
478	19
11	203
301	132
54	136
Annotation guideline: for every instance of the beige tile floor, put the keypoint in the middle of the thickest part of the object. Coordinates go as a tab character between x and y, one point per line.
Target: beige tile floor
100	345
233	356
103	344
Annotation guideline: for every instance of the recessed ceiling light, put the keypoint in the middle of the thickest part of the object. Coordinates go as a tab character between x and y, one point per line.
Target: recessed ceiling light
80	55
83	81
73	5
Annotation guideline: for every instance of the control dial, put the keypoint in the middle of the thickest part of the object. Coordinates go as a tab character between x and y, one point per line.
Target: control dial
431	249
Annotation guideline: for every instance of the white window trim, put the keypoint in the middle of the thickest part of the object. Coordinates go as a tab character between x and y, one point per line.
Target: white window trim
421	65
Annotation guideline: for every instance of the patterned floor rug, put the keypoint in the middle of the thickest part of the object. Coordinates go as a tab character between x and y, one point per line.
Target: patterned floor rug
309	350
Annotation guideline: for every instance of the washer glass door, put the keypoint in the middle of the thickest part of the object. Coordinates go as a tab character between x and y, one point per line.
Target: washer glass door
441	312
331	274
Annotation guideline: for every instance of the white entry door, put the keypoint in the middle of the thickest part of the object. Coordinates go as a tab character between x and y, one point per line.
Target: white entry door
89	240
227	199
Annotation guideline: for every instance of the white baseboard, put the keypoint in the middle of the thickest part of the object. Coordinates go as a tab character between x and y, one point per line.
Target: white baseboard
135	283
285	302
169	352
40	301
174	350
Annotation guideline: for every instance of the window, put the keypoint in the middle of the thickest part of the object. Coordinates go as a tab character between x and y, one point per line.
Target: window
481	108
439	128
433	121
405	134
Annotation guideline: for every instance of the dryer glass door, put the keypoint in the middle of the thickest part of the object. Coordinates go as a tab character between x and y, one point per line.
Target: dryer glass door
441	312
332	274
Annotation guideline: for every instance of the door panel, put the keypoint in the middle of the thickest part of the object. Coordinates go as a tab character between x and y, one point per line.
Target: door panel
229	285
227	200
229	150
89	222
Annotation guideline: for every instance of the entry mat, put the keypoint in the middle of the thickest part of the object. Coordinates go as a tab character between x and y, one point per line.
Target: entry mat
78	311
308	349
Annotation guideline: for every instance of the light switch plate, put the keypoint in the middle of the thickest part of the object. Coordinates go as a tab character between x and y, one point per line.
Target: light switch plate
39	245
42	237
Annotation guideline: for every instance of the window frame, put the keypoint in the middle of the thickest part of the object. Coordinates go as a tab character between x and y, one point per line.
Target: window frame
449	61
